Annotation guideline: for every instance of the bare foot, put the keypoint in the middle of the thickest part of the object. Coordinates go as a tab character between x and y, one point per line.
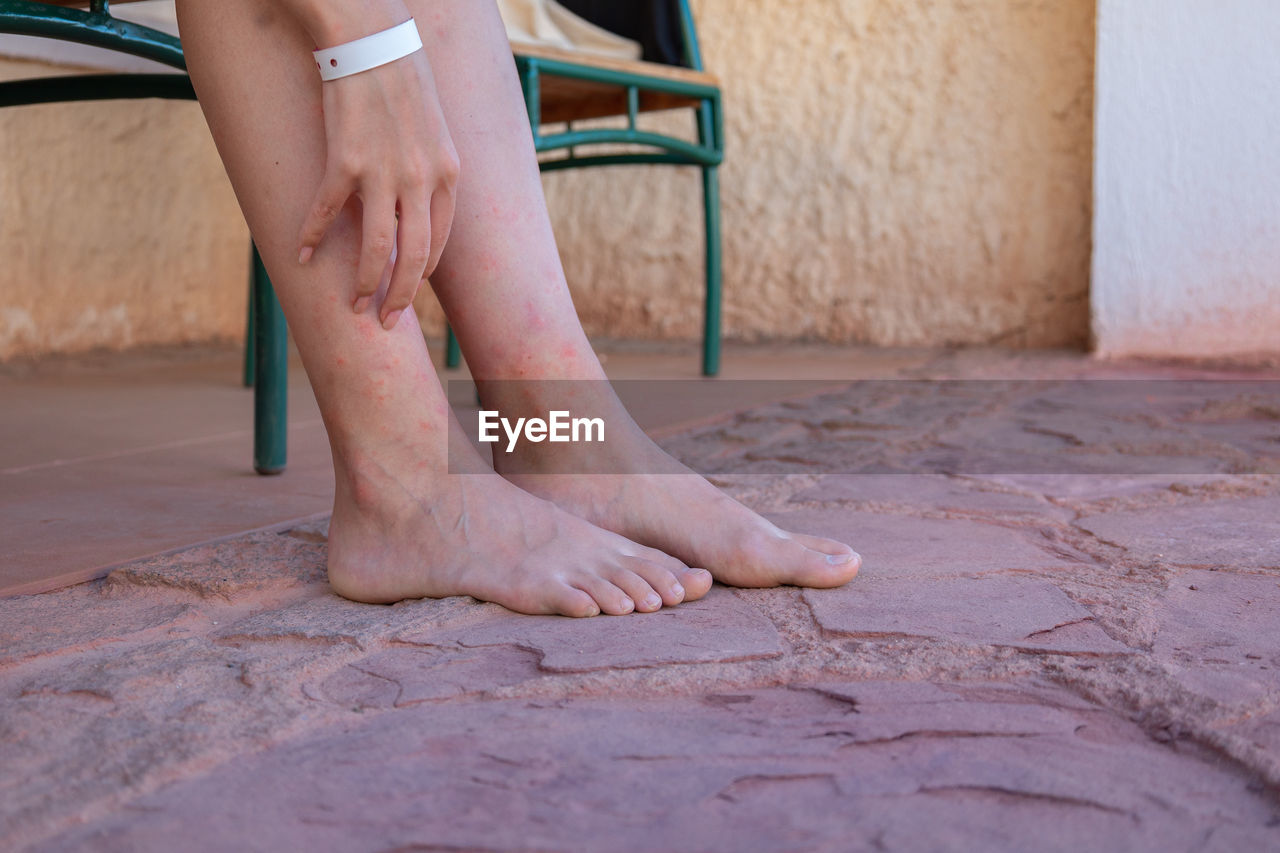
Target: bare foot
667	506
409	531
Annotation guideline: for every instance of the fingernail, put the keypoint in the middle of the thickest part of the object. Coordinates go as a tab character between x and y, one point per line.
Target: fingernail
392	319
361	304
304	255
677	590
653	601
841	559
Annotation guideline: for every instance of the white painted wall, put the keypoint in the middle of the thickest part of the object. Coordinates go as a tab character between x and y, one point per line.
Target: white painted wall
1186	258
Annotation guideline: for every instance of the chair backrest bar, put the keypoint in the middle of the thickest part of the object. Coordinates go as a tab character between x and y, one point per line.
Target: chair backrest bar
689	36
94	26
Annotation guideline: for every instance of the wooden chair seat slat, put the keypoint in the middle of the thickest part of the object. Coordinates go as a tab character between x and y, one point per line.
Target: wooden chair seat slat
571	99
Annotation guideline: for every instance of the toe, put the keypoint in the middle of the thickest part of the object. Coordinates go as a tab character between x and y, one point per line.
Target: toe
771	557
818	562
640	588
661	579
696	583
569	601
673	580
609	597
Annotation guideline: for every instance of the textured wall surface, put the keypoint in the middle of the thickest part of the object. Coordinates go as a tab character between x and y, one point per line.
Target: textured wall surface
117	227
1187	257
899	172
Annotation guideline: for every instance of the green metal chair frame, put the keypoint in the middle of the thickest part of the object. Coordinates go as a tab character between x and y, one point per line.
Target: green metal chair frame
266	352
266	362
653	148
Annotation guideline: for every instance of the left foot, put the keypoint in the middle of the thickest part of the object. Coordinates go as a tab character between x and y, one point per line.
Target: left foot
667	506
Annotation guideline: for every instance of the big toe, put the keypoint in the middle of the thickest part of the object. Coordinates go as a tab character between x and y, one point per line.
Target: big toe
825	562
799	560
696	583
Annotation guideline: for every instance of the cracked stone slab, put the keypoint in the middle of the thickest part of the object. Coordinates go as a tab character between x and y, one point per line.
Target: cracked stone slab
906	546
1262	732
1240	534
115	721
893	710
1017	611
766	770
328	618
719	628
926	491
1091	487
1134	428
256	565
400	677
1010	455
1219	634
37	625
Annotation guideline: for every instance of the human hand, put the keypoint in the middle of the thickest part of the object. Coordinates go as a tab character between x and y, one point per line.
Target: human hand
389	147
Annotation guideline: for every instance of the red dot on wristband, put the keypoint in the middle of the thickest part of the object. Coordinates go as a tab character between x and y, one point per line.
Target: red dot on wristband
333	62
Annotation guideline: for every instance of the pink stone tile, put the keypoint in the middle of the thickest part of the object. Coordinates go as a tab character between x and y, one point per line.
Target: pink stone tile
1009	611
905	546
769	770
80	619
721	627
894	710
926	492
1238	534
404	676
1218	634
260	564
1090	487
330	619
1261	732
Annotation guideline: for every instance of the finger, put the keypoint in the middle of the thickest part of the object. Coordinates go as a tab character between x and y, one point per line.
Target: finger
330	198
378	238
442	207
413	248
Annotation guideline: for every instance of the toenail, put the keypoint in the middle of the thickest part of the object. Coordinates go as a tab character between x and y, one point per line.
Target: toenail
628	605
653	601
841	559
700	572
677	590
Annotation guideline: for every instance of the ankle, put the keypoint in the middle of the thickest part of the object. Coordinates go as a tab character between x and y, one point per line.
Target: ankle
369	484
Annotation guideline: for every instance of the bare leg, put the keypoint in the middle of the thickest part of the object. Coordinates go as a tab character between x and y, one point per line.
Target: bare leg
402	527
501	283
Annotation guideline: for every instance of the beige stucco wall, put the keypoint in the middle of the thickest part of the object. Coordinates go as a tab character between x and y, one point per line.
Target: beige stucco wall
899	173
117	227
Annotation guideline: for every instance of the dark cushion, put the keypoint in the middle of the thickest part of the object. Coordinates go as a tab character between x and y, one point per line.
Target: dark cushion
653	23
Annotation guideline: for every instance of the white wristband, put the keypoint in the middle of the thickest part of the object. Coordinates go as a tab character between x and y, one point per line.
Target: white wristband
343	60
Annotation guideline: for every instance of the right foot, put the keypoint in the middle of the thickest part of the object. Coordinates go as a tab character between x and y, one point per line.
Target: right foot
416	533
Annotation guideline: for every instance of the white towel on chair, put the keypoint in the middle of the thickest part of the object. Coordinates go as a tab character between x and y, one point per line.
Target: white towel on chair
547	23
535	22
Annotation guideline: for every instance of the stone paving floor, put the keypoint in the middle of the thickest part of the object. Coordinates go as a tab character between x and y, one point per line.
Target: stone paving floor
1066	636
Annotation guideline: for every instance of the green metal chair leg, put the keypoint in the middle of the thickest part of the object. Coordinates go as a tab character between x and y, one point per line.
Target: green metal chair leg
271	380
452	352
711	330
251	325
